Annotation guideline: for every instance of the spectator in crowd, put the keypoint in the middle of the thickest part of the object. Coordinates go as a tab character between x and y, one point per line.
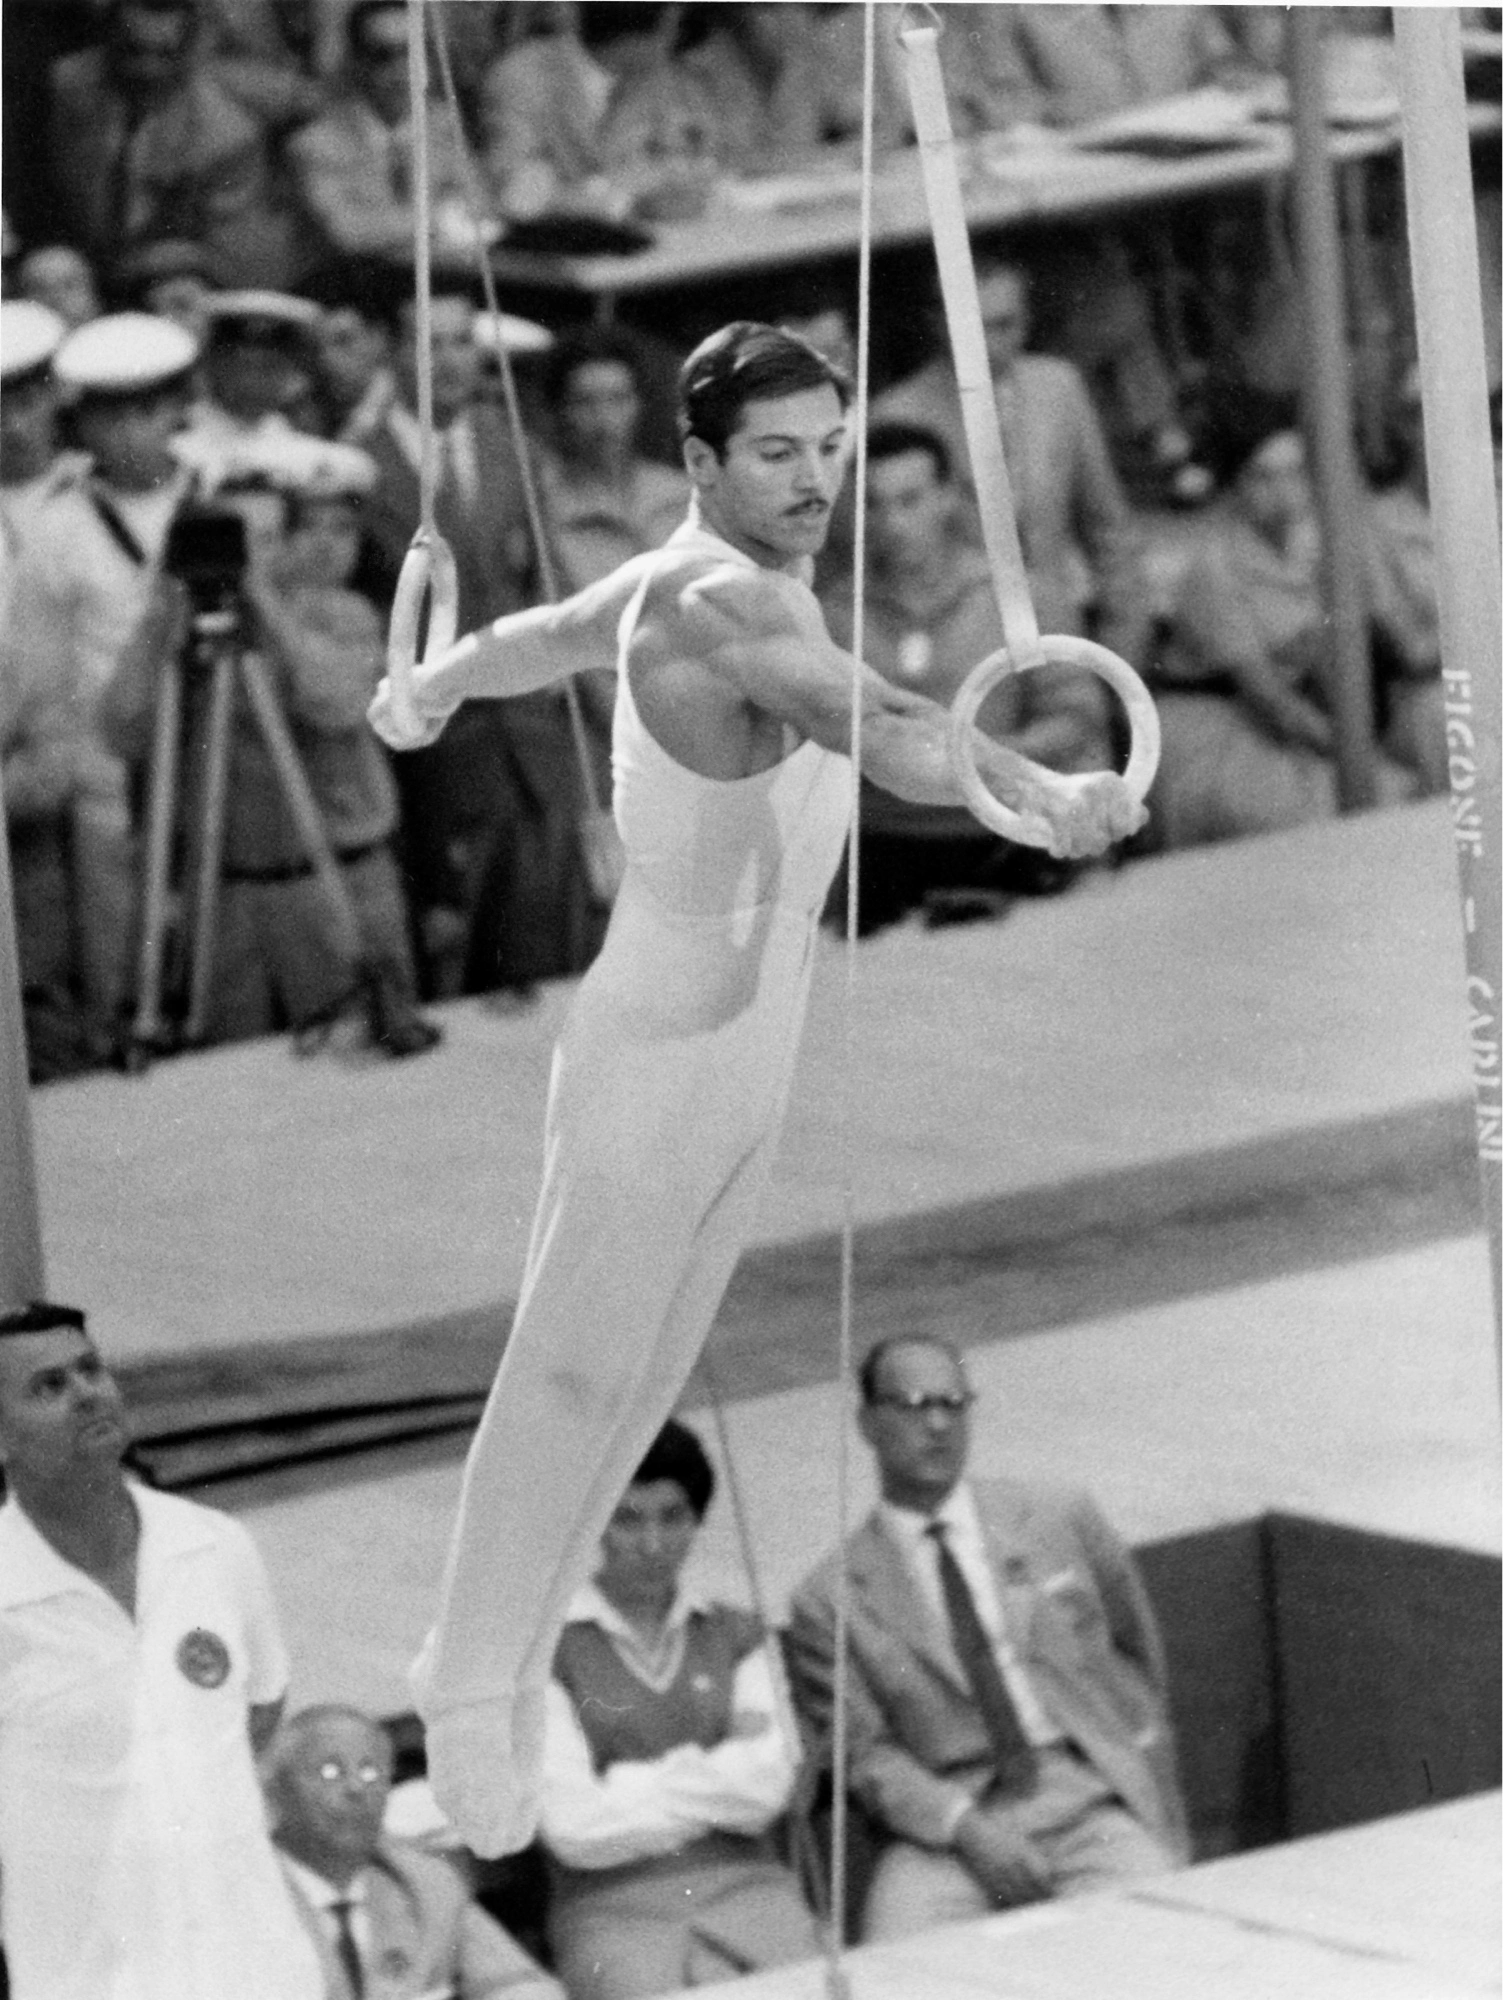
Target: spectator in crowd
147	141
1401	589
385	1917
353	164
784	81
1086	62
931	616
31	468
282	957
89	573
1064	66
173	279
1248	741
495	802
257	372
541	105
1008	1708
58	276
666	1761
606	502
140	1668
1082	550
352	346
603	501
591	112
50	768
281	33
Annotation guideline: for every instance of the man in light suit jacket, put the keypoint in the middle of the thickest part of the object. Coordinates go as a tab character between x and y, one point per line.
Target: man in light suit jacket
389	1921
1082	547
1009	1723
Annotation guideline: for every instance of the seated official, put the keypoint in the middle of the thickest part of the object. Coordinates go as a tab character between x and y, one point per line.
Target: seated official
1248	743
1008	1711
666	1762
389	1922
931	616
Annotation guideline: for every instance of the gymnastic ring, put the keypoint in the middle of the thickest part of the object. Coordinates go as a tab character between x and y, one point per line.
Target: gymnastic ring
427	569
1058	650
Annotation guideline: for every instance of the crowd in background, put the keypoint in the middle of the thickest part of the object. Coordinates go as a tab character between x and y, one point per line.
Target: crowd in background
237	175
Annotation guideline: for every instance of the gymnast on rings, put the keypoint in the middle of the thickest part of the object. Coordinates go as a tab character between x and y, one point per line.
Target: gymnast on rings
731	745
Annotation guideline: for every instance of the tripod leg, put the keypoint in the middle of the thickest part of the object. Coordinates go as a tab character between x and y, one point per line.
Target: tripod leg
161	809
303	807
211	848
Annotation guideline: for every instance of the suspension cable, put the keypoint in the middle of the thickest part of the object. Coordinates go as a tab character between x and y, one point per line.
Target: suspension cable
836	1981
422	257
476	205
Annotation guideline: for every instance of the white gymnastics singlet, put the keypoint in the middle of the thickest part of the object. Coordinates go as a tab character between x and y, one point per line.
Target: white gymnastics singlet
669	1086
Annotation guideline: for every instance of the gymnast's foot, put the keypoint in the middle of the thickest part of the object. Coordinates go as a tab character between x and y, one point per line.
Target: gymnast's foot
485	1766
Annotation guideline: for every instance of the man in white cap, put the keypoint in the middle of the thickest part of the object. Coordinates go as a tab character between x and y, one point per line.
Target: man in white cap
30	334
48	765
87	574
280	959
257	364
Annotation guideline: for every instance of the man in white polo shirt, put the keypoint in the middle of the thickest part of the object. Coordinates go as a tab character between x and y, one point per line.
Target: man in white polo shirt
140	1662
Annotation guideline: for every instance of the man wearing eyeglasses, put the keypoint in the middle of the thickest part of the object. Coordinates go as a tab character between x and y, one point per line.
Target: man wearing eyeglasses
1008	1715
389	1921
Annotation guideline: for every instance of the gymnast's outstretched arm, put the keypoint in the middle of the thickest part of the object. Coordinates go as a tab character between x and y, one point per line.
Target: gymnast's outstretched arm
769	641
517	654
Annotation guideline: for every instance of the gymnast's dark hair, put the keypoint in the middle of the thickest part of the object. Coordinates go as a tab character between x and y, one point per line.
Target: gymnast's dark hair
40	1316
677	1454
743	363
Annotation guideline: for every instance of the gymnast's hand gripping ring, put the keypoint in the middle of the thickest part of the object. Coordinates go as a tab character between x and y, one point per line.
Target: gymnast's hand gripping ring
1058	650
427	570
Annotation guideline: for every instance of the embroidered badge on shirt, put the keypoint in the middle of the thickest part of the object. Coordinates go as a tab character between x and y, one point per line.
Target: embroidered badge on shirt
203	1658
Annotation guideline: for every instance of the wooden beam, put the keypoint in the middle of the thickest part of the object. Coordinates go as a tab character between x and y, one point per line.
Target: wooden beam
1464	510
1329	413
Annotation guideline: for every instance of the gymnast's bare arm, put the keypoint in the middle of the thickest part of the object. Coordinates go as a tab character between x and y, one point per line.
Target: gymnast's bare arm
725	660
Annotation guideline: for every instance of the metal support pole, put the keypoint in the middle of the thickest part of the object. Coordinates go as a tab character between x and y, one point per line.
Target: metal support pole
161	810
216	762
1337	488
21	1269
1464	511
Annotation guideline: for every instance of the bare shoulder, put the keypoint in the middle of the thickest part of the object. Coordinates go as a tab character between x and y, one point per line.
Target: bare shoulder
725	603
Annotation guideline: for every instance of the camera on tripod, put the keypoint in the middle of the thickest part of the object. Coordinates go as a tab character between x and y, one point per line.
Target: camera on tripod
207	551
